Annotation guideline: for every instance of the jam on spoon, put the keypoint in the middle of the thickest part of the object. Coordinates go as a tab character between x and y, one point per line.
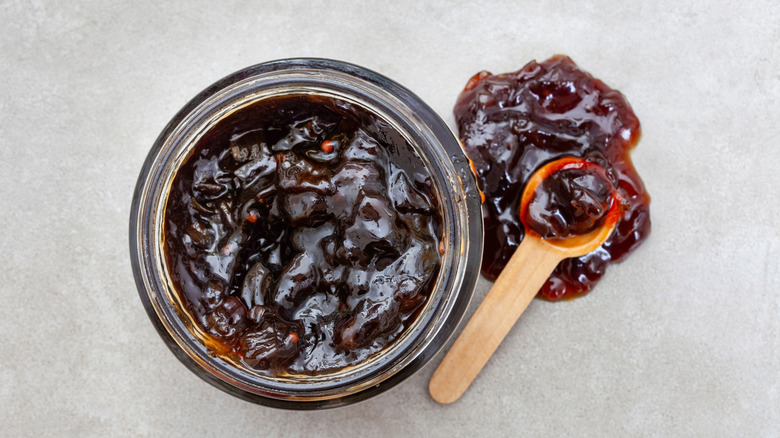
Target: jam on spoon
571	199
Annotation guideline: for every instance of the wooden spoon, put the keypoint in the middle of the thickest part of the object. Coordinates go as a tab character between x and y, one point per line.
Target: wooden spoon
525	273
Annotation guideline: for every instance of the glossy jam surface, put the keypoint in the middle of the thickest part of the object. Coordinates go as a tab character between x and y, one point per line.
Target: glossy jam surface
569	202
302	235
512	124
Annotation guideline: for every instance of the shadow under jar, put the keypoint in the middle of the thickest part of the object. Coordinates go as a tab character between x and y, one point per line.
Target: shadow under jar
305	233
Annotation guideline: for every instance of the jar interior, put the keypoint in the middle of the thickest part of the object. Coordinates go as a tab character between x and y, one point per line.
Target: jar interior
176	300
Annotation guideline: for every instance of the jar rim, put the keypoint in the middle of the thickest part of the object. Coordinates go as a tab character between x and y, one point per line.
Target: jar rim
433	140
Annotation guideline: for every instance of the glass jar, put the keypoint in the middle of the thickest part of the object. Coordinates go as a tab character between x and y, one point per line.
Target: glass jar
454	183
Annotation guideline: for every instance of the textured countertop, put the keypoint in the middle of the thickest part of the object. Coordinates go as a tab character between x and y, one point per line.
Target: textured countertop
682	339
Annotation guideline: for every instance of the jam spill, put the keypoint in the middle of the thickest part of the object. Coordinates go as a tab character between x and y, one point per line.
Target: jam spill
512	124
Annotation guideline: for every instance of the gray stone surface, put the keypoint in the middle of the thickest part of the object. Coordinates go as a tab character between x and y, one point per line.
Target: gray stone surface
682	339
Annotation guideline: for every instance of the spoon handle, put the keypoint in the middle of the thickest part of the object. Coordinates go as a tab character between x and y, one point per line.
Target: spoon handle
513	290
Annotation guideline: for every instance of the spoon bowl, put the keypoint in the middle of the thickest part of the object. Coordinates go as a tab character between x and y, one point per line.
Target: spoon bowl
576	245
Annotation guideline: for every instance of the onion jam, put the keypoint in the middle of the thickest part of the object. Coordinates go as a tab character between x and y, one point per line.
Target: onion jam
302	235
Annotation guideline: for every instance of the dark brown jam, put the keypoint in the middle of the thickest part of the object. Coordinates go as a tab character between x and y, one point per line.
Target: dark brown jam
569	202
512	124
302	235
